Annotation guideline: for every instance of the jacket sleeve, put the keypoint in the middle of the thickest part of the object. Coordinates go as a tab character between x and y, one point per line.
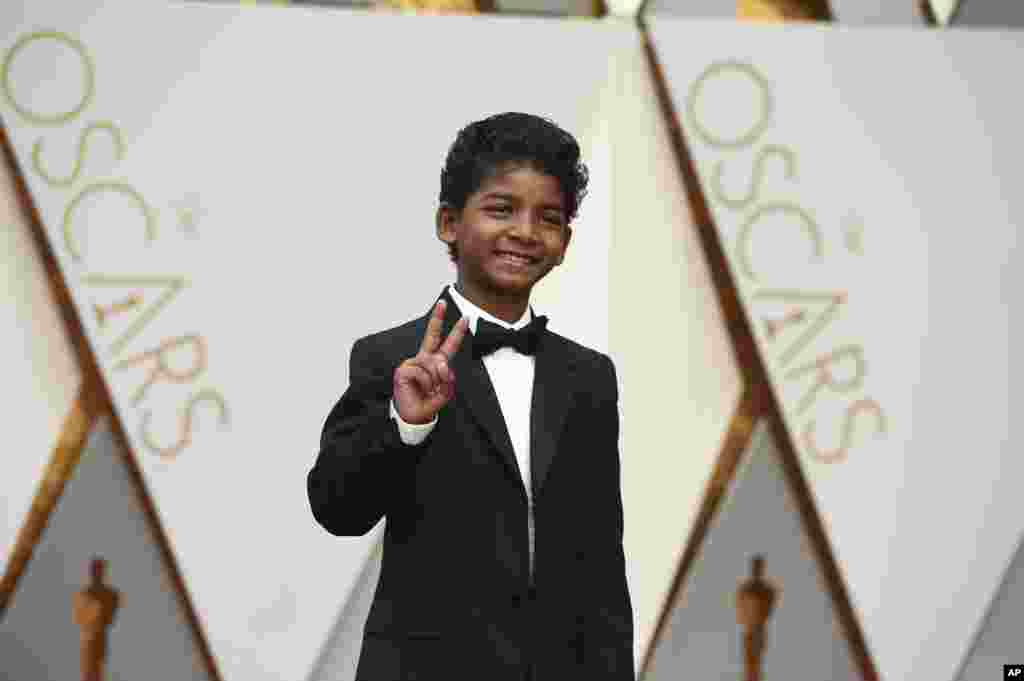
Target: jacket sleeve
613	626
363	466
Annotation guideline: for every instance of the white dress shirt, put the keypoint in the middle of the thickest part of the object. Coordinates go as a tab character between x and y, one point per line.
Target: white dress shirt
511	374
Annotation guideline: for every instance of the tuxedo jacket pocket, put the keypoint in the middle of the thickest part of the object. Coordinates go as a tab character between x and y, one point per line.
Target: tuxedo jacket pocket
382	623
421	621
404	634
405	656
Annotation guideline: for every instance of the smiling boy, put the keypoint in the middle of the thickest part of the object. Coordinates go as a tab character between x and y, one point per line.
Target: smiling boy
489	443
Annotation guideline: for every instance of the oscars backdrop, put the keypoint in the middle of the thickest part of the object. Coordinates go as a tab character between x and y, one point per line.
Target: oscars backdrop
234	195
863	186
230	216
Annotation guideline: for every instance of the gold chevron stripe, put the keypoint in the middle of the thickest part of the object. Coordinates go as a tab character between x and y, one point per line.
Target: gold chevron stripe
85	412
759	401
736	441
94	400
430	6
783	10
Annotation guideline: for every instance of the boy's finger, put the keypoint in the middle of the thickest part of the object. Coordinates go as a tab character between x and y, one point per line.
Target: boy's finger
454	339
423	379
445	371
432	338
442	393
431	365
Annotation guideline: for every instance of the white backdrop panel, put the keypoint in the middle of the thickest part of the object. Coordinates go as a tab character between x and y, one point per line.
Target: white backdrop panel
879	165
680	381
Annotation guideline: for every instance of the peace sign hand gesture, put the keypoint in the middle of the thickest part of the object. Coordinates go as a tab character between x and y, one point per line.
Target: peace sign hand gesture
425	383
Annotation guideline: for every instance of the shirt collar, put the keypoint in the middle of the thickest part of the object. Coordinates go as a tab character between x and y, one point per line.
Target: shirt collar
473	312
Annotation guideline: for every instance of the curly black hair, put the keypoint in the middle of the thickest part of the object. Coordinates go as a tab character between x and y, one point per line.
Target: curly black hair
484	147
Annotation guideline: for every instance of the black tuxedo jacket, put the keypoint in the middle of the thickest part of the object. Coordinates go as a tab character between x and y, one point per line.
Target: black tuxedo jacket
455	598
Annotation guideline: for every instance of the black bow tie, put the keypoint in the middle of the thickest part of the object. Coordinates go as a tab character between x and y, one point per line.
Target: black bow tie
490	336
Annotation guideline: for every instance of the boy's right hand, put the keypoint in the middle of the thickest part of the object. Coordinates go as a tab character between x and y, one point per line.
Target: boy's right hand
425	383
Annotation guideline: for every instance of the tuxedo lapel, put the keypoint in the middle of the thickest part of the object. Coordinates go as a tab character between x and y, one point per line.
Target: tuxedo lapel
552	396
475	391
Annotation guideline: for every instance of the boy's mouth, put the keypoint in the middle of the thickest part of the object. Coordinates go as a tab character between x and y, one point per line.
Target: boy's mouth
517	258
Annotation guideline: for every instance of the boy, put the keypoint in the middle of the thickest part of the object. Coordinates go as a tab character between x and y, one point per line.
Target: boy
489	443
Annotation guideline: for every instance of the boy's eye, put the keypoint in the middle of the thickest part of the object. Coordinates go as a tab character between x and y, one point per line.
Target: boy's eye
499	210
553	218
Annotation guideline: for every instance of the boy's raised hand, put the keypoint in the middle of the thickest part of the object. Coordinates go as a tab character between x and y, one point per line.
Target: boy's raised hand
425	383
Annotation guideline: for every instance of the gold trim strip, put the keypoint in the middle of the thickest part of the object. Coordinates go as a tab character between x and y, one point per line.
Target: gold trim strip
85	412
93	388
62	461
831	573
928	14
783	10
755	376
735	443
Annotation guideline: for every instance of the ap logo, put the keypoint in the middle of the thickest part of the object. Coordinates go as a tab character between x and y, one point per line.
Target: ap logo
1013	671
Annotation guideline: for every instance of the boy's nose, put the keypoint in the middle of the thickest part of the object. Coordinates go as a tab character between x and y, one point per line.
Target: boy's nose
526	227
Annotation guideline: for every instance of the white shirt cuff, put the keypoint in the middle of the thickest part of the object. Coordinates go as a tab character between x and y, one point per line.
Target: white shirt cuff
411	433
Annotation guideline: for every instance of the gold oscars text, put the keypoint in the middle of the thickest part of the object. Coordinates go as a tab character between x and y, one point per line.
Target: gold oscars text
73	189
861	413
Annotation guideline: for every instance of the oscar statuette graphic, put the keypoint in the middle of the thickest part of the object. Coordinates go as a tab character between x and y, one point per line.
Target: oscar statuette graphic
94	609
755	600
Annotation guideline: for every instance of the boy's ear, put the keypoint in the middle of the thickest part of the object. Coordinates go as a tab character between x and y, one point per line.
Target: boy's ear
565	246
445	220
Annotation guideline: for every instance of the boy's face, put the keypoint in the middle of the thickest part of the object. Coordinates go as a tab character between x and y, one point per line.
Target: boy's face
517	212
